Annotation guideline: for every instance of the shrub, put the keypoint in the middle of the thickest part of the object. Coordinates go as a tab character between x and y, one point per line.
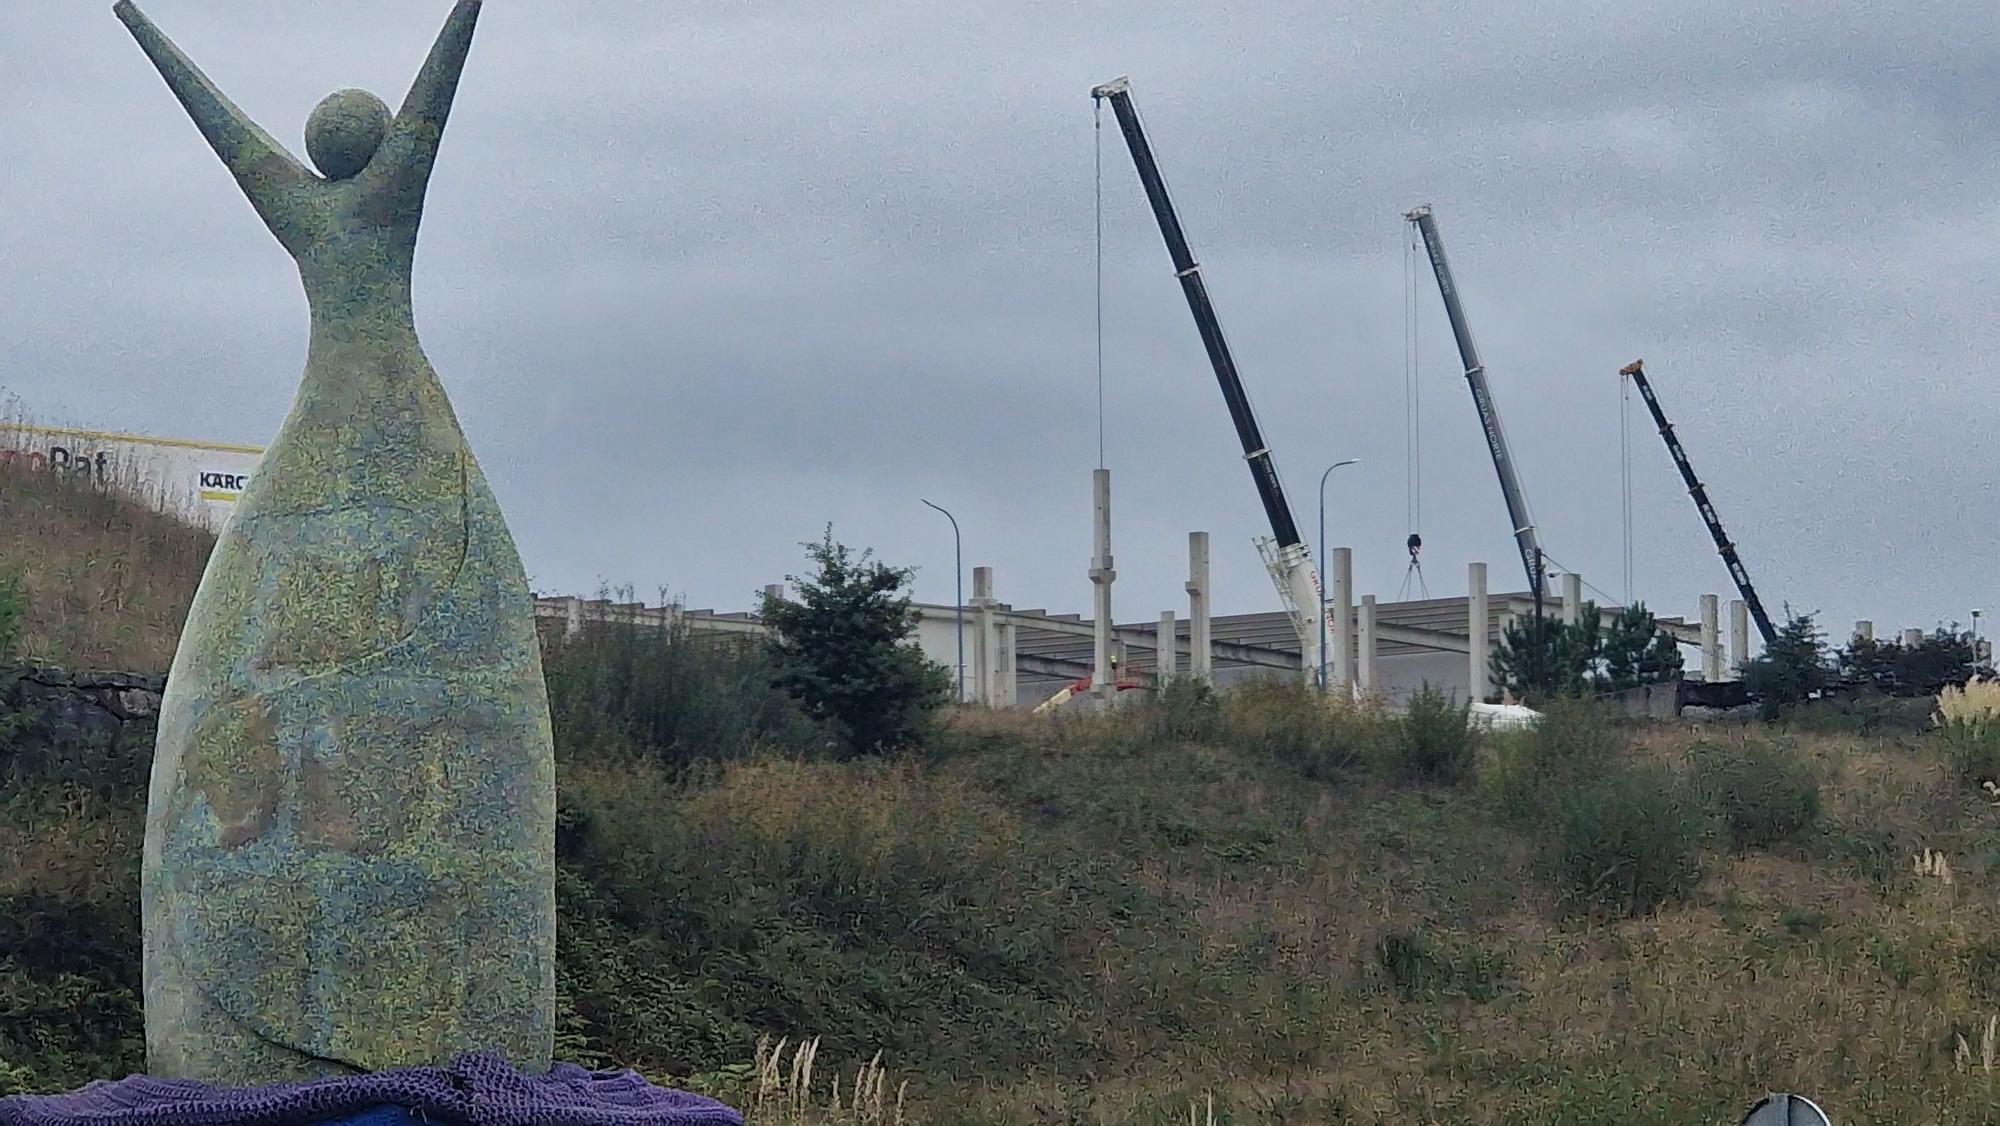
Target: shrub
1541	658
1423	968
1763	792
10	615
1317	736
1571	744
1433	742
1185	711
1792	669
671	695
1968	720
846	650
1636	652
1629	841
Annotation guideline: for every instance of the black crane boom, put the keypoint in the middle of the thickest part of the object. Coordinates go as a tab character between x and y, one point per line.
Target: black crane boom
1636	372
1262	471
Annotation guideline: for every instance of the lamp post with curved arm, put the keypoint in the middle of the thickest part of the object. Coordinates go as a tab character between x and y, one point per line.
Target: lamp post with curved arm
958	577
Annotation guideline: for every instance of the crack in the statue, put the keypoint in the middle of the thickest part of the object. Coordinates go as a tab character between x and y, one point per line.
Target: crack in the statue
333	509
264	1036
457	571
464	518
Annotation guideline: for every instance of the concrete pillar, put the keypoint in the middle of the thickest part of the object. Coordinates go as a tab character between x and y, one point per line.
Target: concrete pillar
1475	628
984	641
1340	667
1864	630
1166	657
1912	638
1572	599
572	616
774	590
1739	637
1365	645
1008	690
1711	638
1101	576
1201	664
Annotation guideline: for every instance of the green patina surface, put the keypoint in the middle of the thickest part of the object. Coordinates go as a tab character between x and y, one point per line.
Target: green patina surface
349	858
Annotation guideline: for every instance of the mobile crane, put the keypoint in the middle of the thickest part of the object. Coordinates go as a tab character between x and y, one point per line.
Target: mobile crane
1285	554
1636	372
1525	537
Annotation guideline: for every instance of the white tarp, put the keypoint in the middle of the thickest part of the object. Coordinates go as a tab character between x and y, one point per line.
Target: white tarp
198	480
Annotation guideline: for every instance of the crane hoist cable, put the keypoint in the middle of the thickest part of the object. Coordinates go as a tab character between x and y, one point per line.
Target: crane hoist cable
1625	470
1412	423
1097	137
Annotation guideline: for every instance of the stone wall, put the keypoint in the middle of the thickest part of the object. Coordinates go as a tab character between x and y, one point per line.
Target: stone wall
91	727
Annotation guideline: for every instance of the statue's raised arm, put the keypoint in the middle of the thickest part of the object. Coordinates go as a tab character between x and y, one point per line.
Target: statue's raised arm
272	178
409	151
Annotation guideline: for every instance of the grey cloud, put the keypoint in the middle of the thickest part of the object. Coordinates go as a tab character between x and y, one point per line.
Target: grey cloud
704	277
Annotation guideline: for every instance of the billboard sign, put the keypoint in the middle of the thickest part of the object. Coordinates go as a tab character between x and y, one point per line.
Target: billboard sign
200	481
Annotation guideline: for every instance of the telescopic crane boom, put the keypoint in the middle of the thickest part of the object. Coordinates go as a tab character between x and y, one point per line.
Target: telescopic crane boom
1482	397
1636	372
1290	564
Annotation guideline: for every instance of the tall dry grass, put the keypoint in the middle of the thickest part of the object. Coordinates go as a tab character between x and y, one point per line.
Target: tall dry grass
106	580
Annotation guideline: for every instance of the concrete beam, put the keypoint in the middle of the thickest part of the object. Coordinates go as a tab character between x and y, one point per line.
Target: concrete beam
1101	576
1711	639
984	641
1365	647
1053	666
1739	637
1005	677
1201	648
1340	674
1475	628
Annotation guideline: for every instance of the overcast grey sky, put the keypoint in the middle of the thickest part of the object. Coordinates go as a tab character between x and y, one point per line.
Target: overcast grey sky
702	277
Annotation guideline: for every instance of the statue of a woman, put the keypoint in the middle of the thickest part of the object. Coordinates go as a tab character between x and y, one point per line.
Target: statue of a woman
349	858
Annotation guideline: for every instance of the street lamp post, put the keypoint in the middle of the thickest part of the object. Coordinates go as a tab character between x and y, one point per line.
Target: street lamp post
1322	564
958	577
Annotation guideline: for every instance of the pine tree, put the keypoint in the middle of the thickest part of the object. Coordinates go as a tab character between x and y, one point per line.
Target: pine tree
845	651
1792	668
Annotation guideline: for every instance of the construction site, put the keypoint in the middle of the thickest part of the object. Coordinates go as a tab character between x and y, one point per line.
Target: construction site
1347	643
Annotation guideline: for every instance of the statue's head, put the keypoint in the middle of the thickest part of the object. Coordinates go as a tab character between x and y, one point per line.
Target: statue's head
345	129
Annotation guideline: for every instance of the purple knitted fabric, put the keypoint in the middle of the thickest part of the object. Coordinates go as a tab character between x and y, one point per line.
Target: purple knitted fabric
477	1089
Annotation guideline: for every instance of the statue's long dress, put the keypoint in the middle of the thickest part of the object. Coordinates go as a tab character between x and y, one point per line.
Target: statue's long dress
349	857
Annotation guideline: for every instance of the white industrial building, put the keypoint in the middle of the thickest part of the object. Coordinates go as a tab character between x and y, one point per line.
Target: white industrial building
1021	658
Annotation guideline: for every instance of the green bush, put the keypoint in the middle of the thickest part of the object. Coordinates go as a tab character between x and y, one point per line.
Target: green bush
1794	668
1628	841
1185	711
1319	737
1433	742
846	650
1971	750
1764	793
1572	743
11	606
675	697
1424	968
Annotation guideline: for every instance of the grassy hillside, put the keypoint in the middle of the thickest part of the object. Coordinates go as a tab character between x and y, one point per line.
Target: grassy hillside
108	581
1287	914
